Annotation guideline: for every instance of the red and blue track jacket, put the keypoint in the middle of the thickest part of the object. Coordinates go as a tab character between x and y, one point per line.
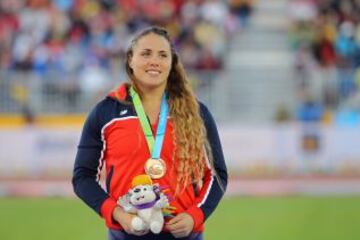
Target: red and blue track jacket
112	137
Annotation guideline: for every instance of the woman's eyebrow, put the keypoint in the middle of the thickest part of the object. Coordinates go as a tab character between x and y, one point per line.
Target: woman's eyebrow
161	51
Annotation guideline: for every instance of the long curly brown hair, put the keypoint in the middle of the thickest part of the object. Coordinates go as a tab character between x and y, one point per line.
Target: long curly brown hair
191	144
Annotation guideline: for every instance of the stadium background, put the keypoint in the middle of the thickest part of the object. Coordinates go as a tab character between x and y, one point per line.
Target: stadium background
281	78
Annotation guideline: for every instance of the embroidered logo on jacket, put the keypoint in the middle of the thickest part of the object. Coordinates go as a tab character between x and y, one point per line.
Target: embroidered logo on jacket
123	112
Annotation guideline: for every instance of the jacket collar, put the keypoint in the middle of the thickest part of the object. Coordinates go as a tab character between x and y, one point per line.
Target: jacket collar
121	93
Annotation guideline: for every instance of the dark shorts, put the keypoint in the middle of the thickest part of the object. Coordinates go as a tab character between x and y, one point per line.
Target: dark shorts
120	235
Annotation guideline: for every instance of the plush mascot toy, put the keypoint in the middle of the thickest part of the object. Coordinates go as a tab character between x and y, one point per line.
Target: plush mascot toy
146	201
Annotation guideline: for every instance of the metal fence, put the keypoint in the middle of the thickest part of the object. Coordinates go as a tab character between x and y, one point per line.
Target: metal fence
231	95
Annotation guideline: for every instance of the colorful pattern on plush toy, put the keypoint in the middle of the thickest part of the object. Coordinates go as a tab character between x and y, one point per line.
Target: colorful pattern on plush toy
169	210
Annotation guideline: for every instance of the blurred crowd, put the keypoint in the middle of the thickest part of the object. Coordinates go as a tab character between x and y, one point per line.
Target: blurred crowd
76	48
69	35
326	37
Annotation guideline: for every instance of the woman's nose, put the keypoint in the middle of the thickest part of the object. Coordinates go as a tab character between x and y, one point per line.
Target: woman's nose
154	61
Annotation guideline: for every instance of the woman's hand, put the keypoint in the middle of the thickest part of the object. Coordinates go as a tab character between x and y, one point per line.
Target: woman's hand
181	225
125	220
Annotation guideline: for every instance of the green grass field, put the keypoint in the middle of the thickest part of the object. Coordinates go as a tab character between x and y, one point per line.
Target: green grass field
247	218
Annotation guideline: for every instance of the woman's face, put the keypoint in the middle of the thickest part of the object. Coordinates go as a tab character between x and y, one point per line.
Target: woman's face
151	61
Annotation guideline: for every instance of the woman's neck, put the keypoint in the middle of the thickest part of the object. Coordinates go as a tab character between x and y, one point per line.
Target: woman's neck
151	101
151	97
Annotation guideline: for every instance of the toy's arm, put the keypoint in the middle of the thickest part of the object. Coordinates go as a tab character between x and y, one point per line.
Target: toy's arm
163	202
124	202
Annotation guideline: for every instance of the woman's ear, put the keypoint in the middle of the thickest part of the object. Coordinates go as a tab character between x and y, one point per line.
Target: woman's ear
130	62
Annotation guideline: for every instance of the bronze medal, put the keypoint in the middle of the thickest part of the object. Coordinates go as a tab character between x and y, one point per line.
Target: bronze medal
155	168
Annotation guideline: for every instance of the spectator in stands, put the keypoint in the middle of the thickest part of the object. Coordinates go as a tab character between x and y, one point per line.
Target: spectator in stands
118	131
243	9
310	110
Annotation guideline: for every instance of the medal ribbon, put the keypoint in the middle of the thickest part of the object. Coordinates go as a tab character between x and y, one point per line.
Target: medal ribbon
154	145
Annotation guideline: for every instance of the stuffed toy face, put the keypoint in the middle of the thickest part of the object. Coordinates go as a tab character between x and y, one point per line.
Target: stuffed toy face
142	194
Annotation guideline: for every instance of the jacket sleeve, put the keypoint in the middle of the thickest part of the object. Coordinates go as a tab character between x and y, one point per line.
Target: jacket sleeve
87	167
215	178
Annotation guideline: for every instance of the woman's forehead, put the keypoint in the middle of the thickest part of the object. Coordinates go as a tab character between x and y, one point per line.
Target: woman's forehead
152	42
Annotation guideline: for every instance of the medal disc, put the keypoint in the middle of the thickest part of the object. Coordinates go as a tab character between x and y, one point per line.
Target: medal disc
155	168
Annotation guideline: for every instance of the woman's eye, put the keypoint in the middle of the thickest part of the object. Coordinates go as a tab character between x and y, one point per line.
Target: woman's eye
145	54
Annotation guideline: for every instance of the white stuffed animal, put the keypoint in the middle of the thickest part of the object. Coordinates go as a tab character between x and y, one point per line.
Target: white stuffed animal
146	201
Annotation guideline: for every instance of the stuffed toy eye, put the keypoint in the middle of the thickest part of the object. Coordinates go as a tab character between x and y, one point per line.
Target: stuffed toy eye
145	189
